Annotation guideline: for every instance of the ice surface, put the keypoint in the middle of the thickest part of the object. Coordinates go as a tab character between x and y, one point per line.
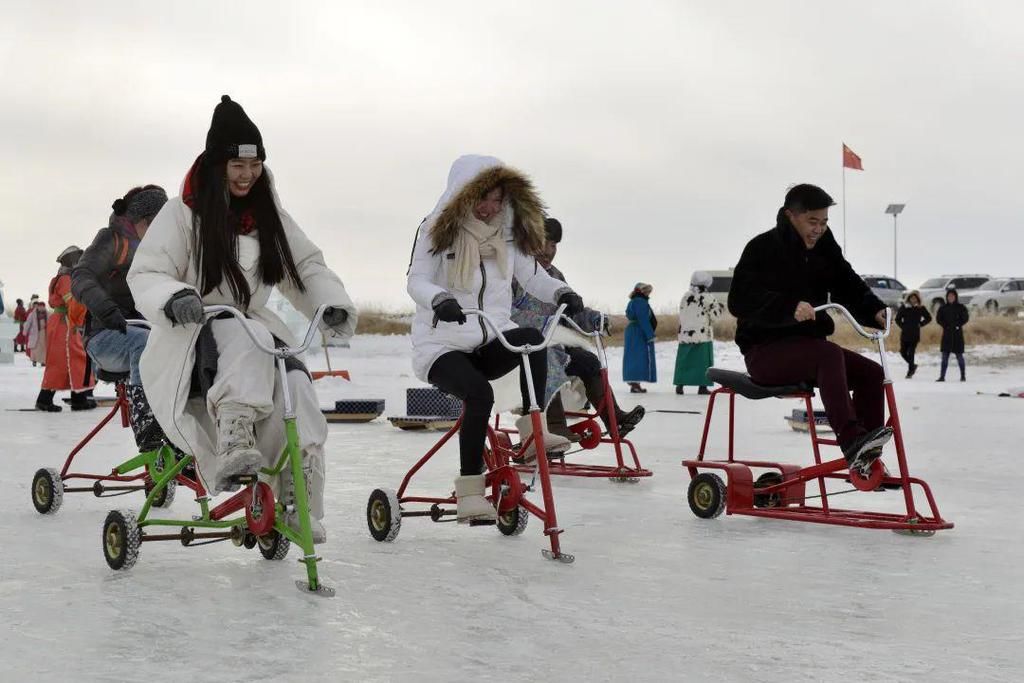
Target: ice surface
655	594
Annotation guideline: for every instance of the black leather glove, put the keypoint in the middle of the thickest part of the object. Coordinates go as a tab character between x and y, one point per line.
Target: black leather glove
573	303
185	307
113	319
335	317
449	311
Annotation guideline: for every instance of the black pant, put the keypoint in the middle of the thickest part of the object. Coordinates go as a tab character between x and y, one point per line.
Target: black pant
907	349
467	376
959	361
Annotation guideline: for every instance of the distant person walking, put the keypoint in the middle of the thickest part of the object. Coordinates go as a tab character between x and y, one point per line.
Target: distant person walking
35	331
20	316
951	317
910	318
698	310
638	363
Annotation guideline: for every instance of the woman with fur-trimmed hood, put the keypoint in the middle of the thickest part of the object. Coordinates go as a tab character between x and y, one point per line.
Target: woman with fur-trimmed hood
484	232
226	240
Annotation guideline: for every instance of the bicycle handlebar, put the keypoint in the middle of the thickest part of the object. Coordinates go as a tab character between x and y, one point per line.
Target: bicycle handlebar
874	336
285	351
525	348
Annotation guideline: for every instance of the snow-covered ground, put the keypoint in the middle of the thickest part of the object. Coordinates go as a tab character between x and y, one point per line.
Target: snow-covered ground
655	593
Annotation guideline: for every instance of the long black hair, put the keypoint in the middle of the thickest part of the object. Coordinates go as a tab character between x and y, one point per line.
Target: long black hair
215	224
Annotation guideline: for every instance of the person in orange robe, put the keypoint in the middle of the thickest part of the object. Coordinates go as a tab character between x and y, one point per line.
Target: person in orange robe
66	366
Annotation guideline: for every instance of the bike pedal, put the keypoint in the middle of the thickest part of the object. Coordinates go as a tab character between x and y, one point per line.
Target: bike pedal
482	522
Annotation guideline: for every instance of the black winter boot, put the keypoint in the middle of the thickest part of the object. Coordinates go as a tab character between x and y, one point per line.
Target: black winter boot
44	402
82	400
148	434
596	395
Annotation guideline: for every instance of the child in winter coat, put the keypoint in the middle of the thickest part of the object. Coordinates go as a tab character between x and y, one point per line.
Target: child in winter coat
698	310
638	361
484	231
951	317
100	282
35	331
227	240
911	317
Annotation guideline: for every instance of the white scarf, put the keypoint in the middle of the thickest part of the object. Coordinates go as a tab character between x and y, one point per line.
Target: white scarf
476	241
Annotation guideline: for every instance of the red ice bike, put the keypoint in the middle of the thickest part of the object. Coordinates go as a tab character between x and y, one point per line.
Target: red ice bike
588	427
386	508
139	473
780	492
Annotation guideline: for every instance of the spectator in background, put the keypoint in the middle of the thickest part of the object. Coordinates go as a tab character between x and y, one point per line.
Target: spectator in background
951	317
911	317
35	331
698	310
20	316
638	362
66	366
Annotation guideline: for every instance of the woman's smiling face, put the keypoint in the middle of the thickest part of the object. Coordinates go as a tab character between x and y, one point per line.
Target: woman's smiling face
241	174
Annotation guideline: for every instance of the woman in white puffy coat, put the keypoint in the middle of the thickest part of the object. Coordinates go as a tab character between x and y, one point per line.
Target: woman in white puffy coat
698	311
226	240
484	231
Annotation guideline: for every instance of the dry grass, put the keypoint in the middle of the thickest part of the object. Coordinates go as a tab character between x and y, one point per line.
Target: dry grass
981	330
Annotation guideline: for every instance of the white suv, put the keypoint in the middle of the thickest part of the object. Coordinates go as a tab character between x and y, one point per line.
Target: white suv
998	295
933	292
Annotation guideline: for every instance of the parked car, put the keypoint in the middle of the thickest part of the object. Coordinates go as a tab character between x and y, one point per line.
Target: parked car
998	295
721	281
933	291
888	289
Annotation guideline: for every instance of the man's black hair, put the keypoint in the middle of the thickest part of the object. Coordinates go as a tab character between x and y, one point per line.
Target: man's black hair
804	197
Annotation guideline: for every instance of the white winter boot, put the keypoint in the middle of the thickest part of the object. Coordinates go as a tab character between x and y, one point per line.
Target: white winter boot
236	445
472	506
319	532
552	442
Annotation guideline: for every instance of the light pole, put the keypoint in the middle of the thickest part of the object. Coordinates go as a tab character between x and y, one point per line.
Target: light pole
895	210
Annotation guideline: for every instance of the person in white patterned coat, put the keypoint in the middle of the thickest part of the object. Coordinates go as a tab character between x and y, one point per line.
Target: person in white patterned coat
698	311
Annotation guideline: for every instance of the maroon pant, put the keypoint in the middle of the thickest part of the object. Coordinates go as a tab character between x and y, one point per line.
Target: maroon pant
835	371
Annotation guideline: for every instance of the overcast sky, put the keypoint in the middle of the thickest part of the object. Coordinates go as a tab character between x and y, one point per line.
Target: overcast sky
662	134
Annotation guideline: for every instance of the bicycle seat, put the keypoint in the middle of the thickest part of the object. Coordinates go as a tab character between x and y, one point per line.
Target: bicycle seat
741	383
112	377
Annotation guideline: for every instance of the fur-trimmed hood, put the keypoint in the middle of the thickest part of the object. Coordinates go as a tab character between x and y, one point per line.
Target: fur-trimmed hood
469	179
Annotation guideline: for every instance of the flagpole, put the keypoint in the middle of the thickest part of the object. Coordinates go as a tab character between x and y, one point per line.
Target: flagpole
844	208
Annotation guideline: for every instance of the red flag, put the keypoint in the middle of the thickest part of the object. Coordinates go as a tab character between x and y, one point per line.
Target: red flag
851	160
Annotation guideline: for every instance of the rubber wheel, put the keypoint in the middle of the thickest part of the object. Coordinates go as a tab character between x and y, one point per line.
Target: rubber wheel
706	495
767	500
47	491
383	515
513	522
121	539
165	496
274	546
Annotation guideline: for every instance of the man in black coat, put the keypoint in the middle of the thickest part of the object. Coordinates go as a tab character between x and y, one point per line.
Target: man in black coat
782	275
99	283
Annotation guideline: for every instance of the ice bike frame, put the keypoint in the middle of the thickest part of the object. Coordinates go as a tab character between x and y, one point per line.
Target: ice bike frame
386	508
50	485
589	430
263	521
780	493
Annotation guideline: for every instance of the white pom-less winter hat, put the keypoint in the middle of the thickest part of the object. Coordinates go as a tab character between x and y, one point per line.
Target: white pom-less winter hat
700	278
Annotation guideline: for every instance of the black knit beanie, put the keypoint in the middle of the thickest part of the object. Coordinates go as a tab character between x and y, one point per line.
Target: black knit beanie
232	135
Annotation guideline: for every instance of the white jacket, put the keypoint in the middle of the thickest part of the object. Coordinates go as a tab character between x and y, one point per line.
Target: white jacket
697	312
469	179
164	264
